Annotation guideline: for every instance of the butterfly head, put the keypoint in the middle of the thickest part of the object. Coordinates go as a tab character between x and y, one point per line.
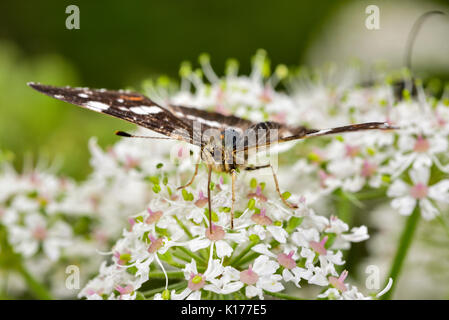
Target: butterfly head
220	149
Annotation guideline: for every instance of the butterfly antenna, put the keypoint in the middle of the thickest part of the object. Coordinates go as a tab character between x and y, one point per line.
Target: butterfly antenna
129	135
413	34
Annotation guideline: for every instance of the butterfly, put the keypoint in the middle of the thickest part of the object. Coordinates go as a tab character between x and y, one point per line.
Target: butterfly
225	141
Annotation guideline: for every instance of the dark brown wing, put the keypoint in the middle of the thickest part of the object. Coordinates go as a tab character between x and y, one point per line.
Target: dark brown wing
210	118
284	133
129	106
266	133
349	128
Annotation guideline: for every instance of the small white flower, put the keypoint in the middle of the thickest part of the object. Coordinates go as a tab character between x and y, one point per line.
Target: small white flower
406	196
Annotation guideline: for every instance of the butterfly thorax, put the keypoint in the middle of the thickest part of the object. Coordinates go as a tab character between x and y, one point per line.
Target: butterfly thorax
224	150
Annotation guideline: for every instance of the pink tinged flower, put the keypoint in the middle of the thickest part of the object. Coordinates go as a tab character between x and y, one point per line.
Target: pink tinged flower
266	95
339	283
180	152
323	176
154	216
261	218
280	117
111	152
221	109
124	290
368	169
100	236
219	106
202	200
441	121
131	163
352	151
91	292
419	191
155	244
122	259
132	222
39	233
319	247
34	178
94	201
196	281
258	194
248	276
421	145
286	260
183	152
317	156
217	233
63	183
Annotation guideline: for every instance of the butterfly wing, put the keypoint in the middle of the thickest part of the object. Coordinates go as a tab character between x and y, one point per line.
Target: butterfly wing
284	133
349	128
129	106
210	118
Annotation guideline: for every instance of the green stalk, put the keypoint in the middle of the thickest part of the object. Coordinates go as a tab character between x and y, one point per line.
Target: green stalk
236	259
198	259
403	247
344	208
443	223
186	230
247	258
37	288
174	286
170	274
282	295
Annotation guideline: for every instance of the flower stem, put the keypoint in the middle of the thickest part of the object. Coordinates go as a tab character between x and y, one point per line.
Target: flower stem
183	227
170	274
173	286
248	258
403	246
443	223
344	208
192	255
38	289
236	259
282	295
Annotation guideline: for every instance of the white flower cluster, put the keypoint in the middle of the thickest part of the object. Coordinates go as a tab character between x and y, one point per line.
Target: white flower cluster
272	247
269	246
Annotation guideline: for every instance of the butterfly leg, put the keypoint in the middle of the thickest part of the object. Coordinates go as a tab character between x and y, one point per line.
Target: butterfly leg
233	178
252	168
192	179
276	183
209	175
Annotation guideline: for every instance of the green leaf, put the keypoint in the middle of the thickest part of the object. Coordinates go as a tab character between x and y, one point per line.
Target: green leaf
154	179
293	223
253	183
251	204
132	270
286	195
156	188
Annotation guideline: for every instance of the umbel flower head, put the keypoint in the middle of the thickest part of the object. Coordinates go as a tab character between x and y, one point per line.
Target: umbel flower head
250	260
130	203
270	246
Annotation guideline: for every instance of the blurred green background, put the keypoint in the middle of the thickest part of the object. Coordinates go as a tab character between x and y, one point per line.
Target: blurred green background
122	43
